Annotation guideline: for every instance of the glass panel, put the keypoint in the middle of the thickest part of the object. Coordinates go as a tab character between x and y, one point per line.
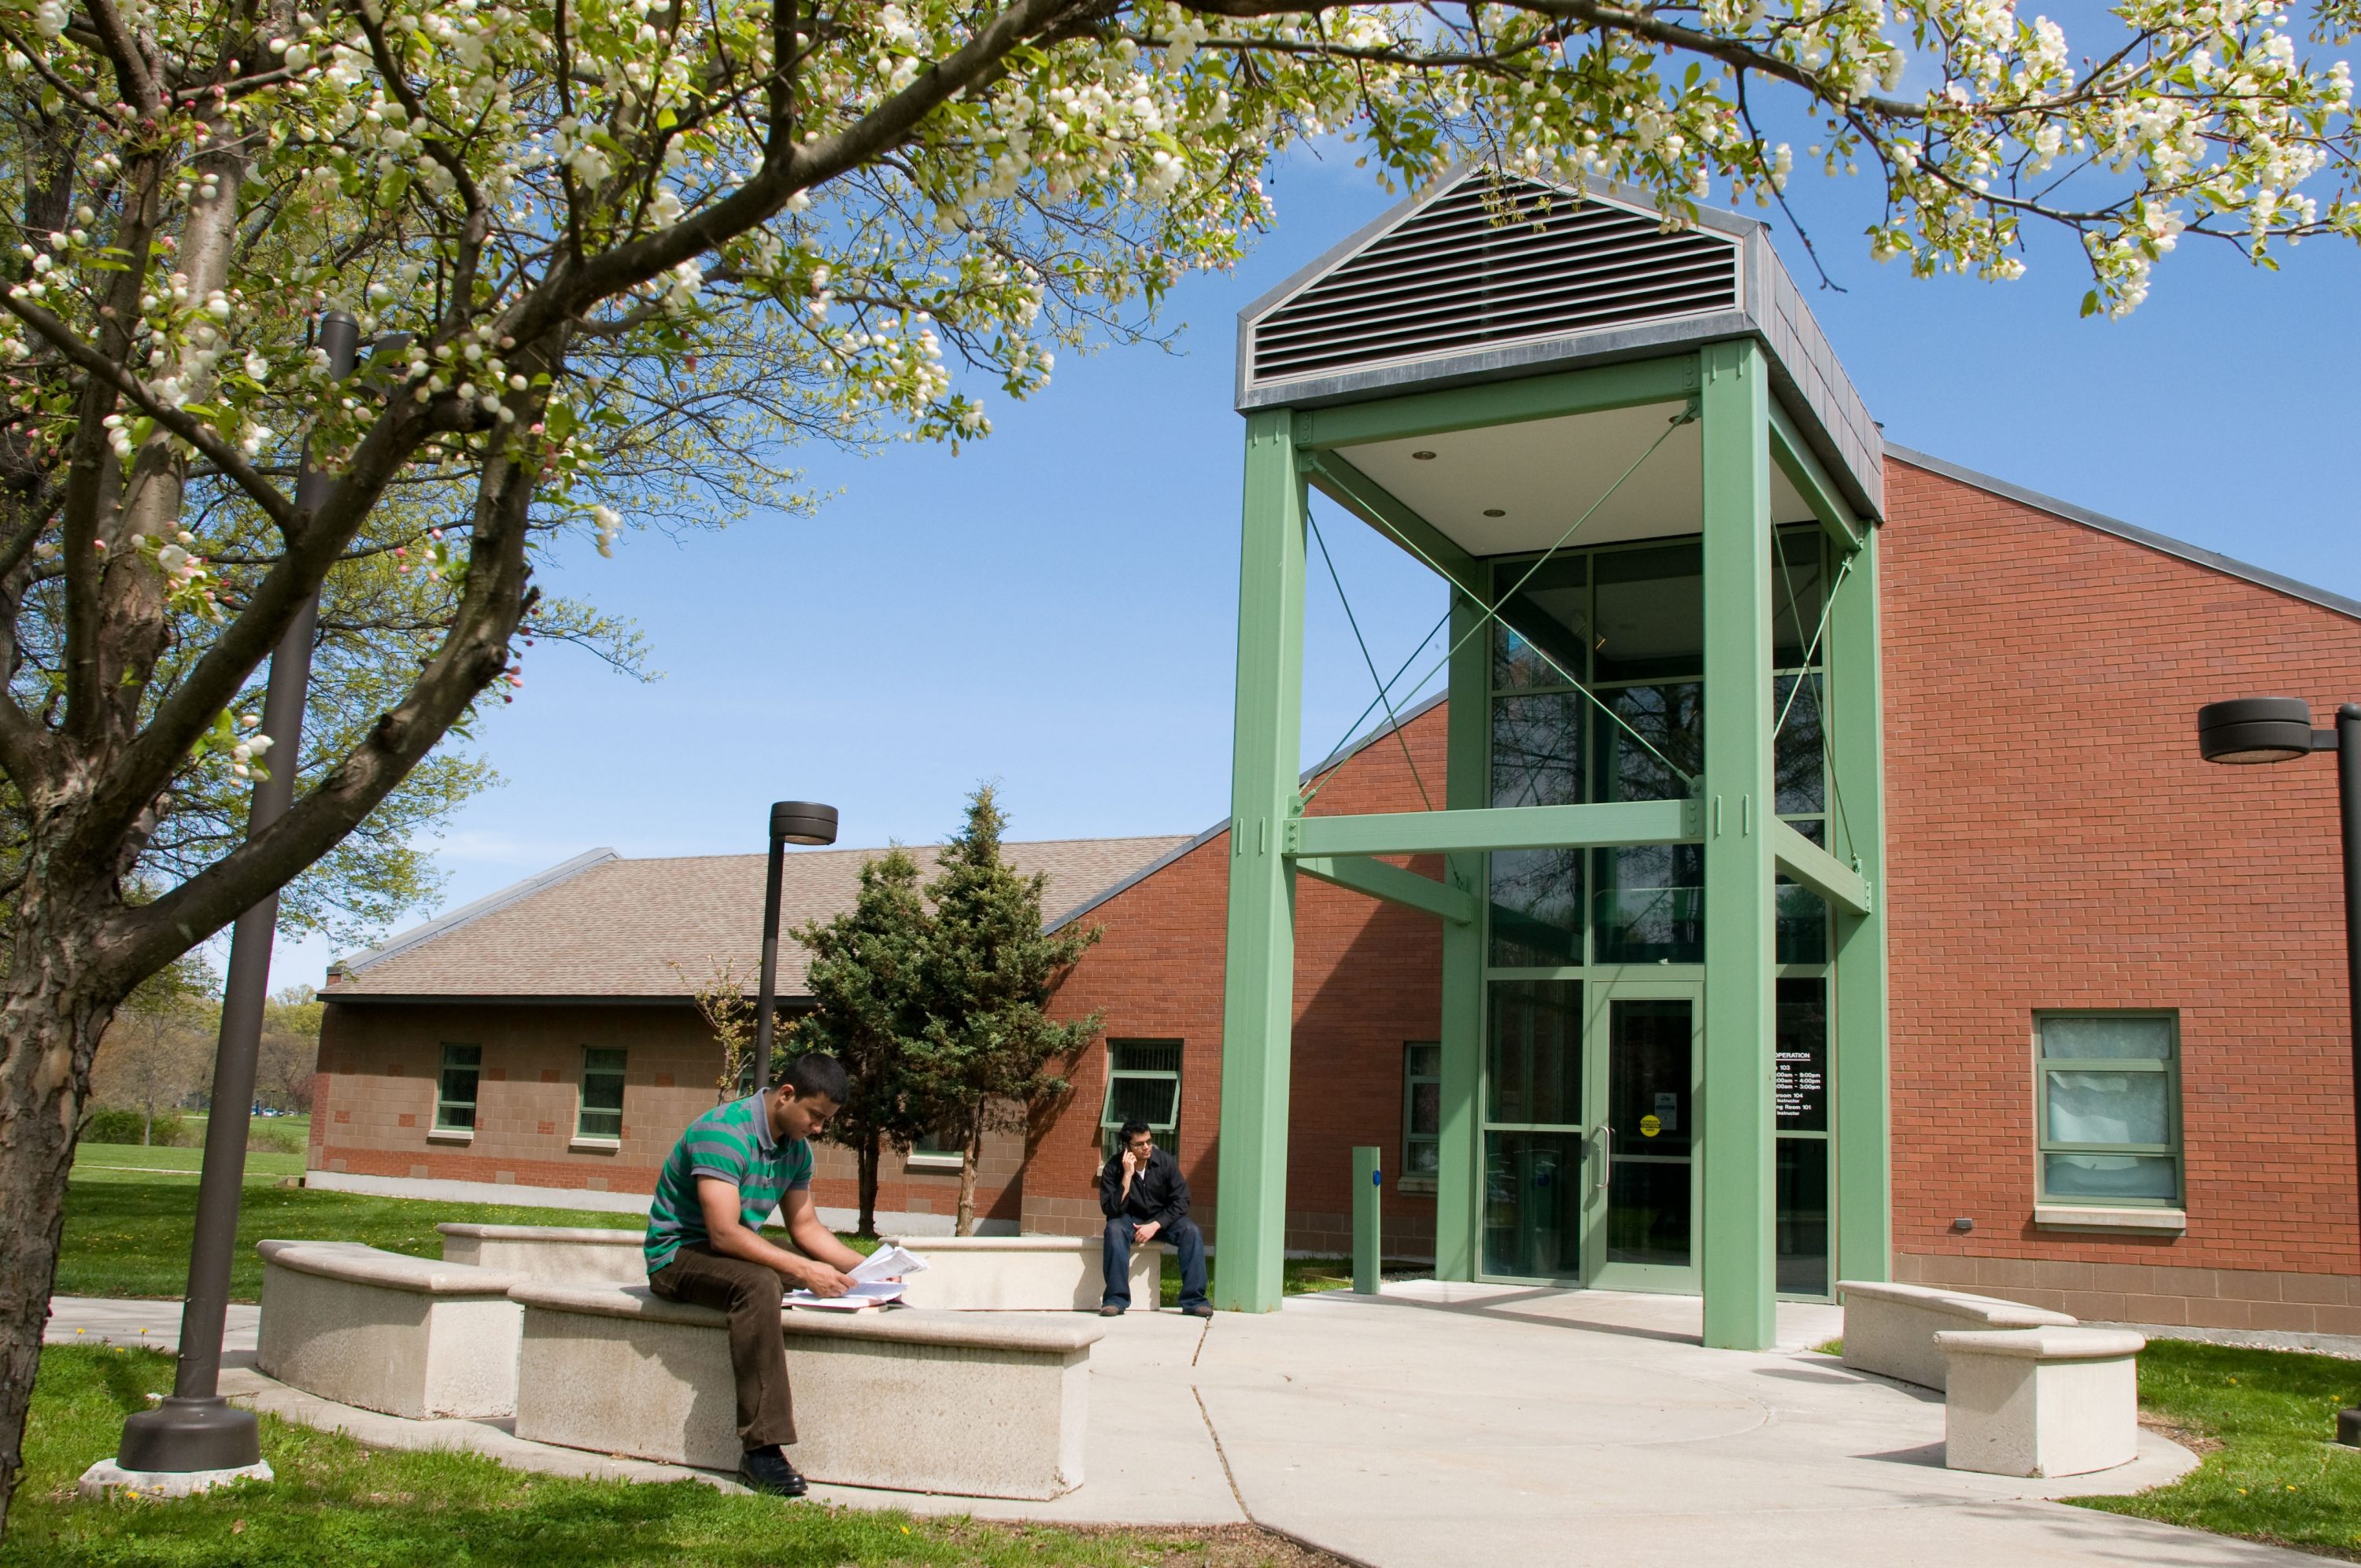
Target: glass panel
1795	598
601	1112
1797	774
1802	916
1648	1213
2093	1038
1803	1216
1425	1110
1534	1056
1671	718
456	1094
1536	908
1423	1061
1421	1158
1800	1089
1649	1074
1537	749
1650	905
1551	616
2109	1176
1149	1100
2109	1108
1533	1193
1650	613
1144	1056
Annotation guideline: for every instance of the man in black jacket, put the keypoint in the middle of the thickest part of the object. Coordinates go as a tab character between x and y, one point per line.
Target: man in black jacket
1145	1198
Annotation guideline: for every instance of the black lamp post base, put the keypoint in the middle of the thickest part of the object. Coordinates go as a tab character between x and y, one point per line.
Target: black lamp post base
191	1434
2348	1428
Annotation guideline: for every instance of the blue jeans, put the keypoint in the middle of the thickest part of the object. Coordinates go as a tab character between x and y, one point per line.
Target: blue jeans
1186	1239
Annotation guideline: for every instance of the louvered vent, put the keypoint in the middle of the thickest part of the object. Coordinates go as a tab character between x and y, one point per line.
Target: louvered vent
1481	265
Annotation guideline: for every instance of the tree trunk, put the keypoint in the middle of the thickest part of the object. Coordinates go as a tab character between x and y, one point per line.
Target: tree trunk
870	1156
969	1156
148	1123
48	1033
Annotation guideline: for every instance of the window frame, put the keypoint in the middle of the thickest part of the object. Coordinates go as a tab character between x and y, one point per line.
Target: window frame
443	1126
1408	1180
1108	1127
2044	1145
582	1110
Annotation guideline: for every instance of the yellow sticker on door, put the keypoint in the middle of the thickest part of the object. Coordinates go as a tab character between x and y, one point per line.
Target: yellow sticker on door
1650	1126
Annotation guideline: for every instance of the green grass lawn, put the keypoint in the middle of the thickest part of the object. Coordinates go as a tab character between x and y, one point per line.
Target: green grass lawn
1299	1275
336	1502
2262	1419
134	1162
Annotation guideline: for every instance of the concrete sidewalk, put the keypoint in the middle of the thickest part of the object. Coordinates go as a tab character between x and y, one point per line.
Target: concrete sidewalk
152	1325
1448	1423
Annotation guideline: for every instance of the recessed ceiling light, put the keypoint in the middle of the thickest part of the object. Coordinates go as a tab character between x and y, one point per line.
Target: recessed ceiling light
1423	456
1494	511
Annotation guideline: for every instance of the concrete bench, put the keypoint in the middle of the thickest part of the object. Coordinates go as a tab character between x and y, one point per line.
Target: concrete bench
2041	1402
1025	1273
1890	1329
910	1400
555	1253
409	1336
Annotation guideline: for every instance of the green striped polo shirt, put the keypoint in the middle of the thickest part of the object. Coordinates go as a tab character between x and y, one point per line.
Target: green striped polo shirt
732	1142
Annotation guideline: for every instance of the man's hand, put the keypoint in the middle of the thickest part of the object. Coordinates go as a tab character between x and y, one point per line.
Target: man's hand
821	1280
1146	1233
1130	1164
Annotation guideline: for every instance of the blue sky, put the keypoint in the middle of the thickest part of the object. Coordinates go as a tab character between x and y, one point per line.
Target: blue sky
1054	608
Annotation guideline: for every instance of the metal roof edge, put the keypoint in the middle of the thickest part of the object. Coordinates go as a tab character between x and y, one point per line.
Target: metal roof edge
2262	576
444	925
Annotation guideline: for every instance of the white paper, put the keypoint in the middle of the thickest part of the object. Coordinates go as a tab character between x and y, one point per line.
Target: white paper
889	1262
872	1294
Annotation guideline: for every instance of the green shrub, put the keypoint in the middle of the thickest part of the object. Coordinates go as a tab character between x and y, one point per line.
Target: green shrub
118	1126
269	1137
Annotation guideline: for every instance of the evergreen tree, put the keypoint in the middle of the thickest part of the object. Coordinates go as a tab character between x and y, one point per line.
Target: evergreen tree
985	1054
866	977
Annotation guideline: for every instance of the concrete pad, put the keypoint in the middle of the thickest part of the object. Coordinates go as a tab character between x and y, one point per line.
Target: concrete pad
150	1324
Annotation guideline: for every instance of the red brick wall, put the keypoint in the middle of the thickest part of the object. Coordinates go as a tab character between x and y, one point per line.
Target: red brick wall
2054	840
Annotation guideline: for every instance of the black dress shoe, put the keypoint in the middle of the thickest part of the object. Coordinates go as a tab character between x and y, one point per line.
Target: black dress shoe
767	1470
1202	1309
1110	1311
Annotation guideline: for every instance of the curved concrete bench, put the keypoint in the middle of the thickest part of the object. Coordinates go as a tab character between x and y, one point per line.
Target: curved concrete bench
1025	1273
911	1401
409	1336
554	1253
2041	1402
1890	1329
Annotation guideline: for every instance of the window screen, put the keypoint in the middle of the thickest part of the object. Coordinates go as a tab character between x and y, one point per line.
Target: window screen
1143	1085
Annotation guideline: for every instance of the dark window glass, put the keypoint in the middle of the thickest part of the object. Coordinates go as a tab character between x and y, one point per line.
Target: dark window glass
1797	599
1422	1110
1649	905
1670	720
1543	632
1801	1038
1802	916
601	1115
1143	1085
1534	1056
1796	768
1537	749
1650	613
1803	1216
1532	1201
1536	908
455	1092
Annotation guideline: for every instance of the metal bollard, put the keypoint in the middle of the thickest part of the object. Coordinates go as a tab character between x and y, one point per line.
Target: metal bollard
1369	1188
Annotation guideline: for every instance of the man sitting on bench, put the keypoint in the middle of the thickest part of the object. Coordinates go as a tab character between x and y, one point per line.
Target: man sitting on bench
732	1166
1145	1198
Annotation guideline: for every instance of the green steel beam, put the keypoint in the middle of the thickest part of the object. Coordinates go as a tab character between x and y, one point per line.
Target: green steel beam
1381	879
1603	824
1863	1177
1667	380
1819	870
1381	510
1738	1254
1795	460
1258	985
1458	1182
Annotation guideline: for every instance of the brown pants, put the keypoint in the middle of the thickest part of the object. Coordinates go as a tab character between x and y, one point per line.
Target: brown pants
750	1293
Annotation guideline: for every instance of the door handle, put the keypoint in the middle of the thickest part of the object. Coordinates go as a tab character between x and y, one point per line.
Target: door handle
1606	1156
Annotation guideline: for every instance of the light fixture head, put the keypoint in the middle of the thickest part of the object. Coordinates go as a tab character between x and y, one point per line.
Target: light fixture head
803	822
1494	511
2254	729
1422	457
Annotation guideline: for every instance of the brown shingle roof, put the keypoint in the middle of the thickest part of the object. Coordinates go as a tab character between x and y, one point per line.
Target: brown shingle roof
602	926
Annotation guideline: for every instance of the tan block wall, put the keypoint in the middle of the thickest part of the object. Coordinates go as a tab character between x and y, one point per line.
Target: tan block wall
2153	1293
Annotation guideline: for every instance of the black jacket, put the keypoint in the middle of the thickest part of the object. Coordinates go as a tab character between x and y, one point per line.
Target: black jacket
1160	1193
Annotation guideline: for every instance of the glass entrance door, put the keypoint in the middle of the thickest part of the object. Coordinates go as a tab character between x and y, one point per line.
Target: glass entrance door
1533	1183
1640	1199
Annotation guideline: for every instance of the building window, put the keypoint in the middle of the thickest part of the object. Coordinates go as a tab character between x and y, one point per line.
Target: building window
1421	1117
2109	1091
455	1092
601	1115
939	1148
1143	1085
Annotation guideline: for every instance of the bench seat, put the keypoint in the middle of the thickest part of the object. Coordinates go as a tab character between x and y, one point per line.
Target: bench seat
2052	1401
1023	1274
910	1400
552	1252
383	1331
1890	1329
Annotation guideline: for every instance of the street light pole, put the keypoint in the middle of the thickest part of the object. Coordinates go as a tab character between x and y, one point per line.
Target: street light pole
194	1428
792	822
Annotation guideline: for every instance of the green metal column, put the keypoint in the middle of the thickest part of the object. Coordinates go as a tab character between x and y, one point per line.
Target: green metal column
1458	1183
1259	988
1738	1269
1856	721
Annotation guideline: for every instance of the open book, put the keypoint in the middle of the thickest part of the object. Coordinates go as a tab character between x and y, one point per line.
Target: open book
875	1282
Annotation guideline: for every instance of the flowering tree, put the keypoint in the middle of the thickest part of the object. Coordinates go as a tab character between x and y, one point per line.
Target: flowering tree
614	256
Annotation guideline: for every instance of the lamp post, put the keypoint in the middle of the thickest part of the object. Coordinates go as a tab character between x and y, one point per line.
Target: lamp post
792	822
2278	729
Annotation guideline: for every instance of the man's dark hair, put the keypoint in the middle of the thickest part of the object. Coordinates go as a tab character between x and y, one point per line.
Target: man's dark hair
1133	1128
815	1073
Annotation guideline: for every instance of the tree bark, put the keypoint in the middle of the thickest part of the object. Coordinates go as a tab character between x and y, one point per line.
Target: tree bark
870	1156
969	1158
